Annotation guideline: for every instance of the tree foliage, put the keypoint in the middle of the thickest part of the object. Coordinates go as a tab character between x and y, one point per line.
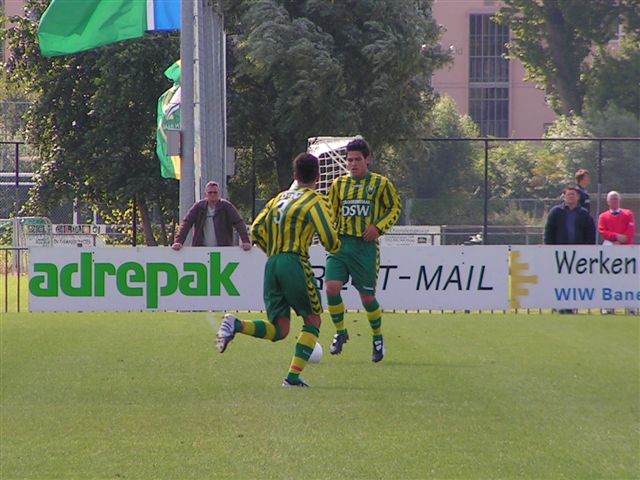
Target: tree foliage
620	159
318	67
542	170
615	78
93	121
441	168
555	38
13	104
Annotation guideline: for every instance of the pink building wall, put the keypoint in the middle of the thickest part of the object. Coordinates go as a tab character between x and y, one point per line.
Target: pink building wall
528	111
11	7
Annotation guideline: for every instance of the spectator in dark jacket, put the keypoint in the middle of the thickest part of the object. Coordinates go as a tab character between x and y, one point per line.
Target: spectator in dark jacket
583	180
213	220
569	223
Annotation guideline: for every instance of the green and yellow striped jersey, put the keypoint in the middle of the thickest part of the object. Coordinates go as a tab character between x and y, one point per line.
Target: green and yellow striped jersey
358	203
289	220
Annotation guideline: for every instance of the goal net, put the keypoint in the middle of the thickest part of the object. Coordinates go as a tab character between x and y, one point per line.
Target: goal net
332	155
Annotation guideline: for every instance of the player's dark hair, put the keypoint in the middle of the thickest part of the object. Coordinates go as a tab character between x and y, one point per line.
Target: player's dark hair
571	188
359	145
306	167
580	174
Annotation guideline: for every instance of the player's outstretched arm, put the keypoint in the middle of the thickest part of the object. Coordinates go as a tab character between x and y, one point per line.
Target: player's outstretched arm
391	208
630	232
333	198
259	233
322	222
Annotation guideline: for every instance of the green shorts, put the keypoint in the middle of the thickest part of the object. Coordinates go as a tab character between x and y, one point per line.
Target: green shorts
289	283
357	259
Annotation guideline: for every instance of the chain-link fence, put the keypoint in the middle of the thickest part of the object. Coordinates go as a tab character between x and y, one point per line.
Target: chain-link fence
18	164
479	190
506	186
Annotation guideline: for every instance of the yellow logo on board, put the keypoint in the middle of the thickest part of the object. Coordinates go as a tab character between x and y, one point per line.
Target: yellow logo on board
518	279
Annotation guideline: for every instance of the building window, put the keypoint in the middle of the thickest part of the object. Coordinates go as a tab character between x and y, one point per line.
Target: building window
489	108
488	75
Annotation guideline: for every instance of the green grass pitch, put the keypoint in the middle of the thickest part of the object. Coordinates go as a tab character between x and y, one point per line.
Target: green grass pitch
146	395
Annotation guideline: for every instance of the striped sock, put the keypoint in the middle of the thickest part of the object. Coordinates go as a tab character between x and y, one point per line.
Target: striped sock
336	310
374	315
258	329
304	346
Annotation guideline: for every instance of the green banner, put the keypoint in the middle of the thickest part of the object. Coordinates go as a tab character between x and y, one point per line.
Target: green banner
71	26
169	119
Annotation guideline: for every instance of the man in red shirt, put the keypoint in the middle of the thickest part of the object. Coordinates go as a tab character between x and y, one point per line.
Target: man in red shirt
617	225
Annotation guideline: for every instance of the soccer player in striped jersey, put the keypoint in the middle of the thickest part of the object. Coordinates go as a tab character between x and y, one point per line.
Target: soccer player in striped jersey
284	231
366	206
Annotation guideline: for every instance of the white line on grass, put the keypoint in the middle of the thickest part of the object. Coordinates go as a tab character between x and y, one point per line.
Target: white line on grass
211	318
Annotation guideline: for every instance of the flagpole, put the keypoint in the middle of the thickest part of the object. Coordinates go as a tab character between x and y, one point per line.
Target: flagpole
187	176
210	111
200	119
217	101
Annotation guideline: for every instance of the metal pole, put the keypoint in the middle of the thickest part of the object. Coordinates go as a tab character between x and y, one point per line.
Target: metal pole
199	117
217	99
222	55
485	225
206	78
19	255
134	222
6	280
17	169
187	177
599	188
253	185
209	93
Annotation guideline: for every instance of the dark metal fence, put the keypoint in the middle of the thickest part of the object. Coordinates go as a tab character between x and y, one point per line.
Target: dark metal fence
14	269
482	209
631	199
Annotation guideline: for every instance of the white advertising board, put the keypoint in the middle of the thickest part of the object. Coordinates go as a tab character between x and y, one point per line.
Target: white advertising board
34	232
80	235
144	278
581	276
78	229
79	240
421	278
113	279
408	235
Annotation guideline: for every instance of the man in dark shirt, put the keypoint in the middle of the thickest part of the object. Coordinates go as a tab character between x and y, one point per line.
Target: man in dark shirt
569	224
583	180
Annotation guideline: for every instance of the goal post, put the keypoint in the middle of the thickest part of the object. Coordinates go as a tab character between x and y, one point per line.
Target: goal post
332	155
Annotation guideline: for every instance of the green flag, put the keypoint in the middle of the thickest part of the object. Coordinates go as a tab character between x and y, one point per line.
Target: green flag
70	26
173	73
169	118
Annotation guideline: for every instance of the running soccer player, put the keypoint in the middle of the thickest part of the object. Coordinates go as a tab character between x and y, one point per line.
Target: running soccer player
366	206
284	231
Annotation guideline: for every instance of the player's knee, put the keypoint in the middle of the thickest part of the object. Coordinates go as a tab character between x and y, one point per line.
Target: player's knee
282	331
367	299
280	336
334	288
313	320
